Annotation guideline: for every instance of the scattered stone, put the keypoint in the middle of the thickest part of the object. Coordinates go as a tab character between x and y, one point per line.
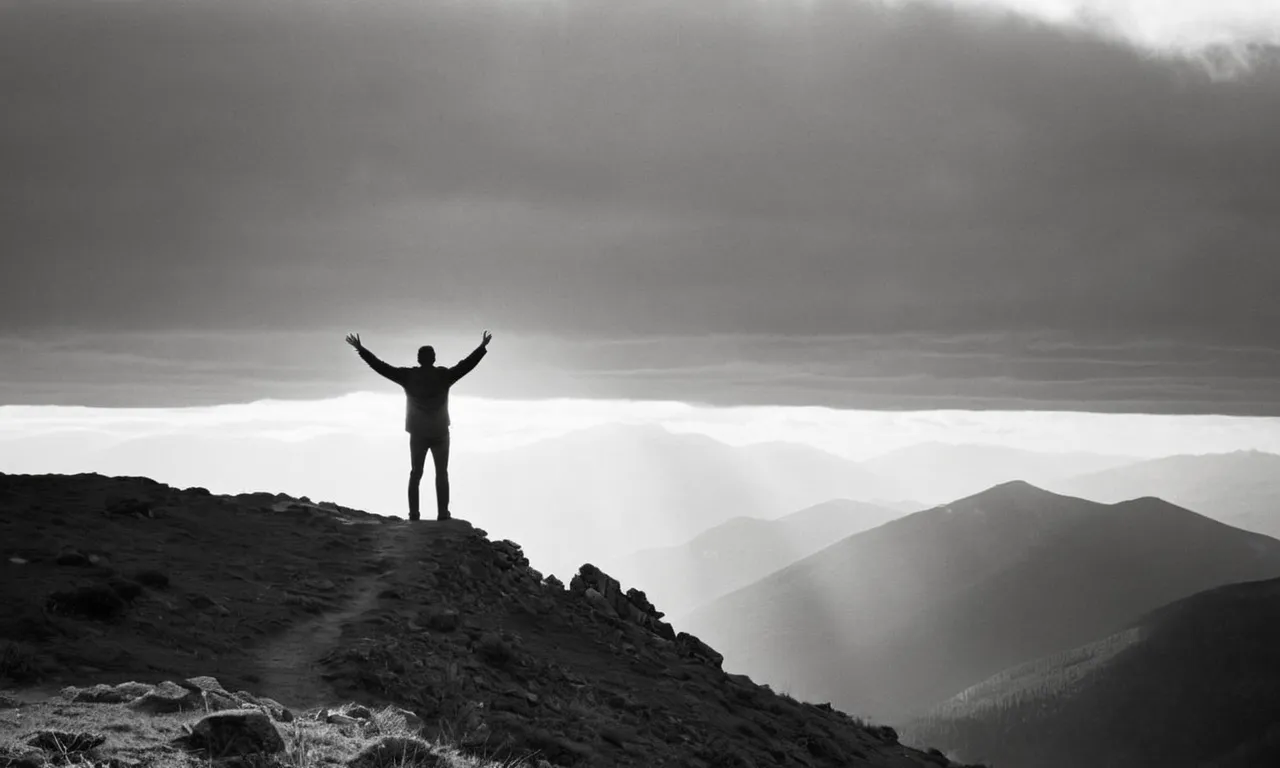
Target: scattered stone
493	649
234	733
106	694
411	720
276	709
599	602
205	683
167	697
443	620
690	646
337	718
363	713
18	560
73	558
395	752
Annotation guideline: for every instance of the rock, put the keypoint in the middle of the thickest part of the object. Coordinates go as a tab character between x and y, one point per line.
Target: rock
62	742
205	683
72	558
396	751
17	756
236	732
337	718
360	712
638	599
443	620
166	698
691	647
411	720
598	601
18	560
106	694
276	709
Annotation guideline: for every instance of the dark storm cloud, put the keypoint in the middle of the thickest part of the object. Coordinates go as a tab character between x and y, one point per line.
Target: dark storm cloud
597	172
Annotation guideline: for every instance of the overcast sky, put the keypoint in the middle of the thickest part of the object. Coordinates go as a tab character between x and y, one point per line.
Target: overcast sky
731	201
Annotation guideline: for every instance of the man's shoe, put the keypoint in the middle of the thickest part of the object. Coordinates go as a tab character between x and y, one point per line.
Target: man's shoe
414	517
444	516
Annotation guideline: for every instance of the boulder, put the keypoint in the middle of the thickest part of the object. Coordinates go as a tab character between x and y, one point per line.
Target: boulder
236	732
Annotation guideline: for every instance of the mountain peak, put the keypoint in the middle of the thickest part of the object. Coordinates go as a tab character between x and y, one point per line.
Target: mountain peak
1013	491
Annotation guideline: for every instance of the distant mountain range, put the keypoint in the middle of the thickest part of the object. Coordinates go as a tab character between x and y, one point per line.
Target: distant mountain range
1193	684
891	621
940	472
742	550
589	496
1241	488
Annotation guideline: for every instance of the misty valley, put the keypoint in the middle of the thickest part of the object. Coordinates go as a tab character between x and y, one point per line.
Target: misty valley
1114	612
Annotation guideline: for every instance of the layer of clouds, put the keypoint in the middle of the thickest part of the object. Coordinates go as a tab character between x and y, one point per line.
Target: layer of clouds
37	438
837	202
902	371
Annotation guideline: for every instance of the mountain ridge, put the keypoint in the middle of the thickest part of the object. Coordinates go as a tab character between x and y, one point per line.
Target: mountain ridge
941	599
1187	684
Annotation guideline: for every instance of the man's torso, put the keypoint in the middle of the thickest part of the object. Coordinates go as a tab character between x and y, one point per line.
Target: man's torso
427	401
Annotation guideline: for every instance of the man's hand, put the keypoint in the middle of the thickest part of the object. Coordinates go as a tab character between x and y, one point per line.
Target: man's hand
487	337
354	340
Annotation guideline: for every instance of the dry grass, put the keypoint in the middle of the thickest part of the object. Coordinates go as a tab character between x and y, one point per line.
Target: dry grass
310	741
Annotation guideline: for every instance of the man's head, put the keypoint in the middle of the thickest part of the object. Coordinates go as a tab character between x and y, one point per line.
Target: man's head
427	355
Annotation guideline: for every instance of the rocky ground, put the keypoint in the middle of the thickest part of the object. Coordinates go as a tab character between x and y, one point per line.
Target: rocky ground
431	633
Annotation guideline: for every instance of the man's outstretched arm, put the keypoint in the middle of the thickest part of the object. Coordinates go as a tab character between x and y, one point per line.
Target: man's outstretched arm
470	361
389	371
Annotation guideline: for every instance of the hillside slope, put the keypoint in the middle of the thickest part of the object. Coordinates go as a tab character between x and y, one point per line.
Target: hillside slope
742	550
1191	684
112	580
891	621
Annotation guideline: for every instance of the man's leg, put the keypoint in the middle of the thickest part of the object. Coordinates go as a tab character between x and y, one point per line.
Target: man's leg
417	459
440	456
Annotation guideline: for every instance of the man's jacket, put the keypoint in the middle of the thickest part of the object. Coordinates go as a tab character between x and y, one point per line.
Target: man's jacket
426	391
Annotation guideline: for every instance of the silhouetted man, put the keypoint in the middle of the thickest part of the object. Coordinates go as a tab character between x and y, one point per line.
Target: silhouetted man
426	414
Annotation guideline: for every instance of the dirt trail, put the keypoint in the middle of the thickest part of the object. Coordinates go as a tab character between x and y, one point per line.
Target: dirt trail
289	663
